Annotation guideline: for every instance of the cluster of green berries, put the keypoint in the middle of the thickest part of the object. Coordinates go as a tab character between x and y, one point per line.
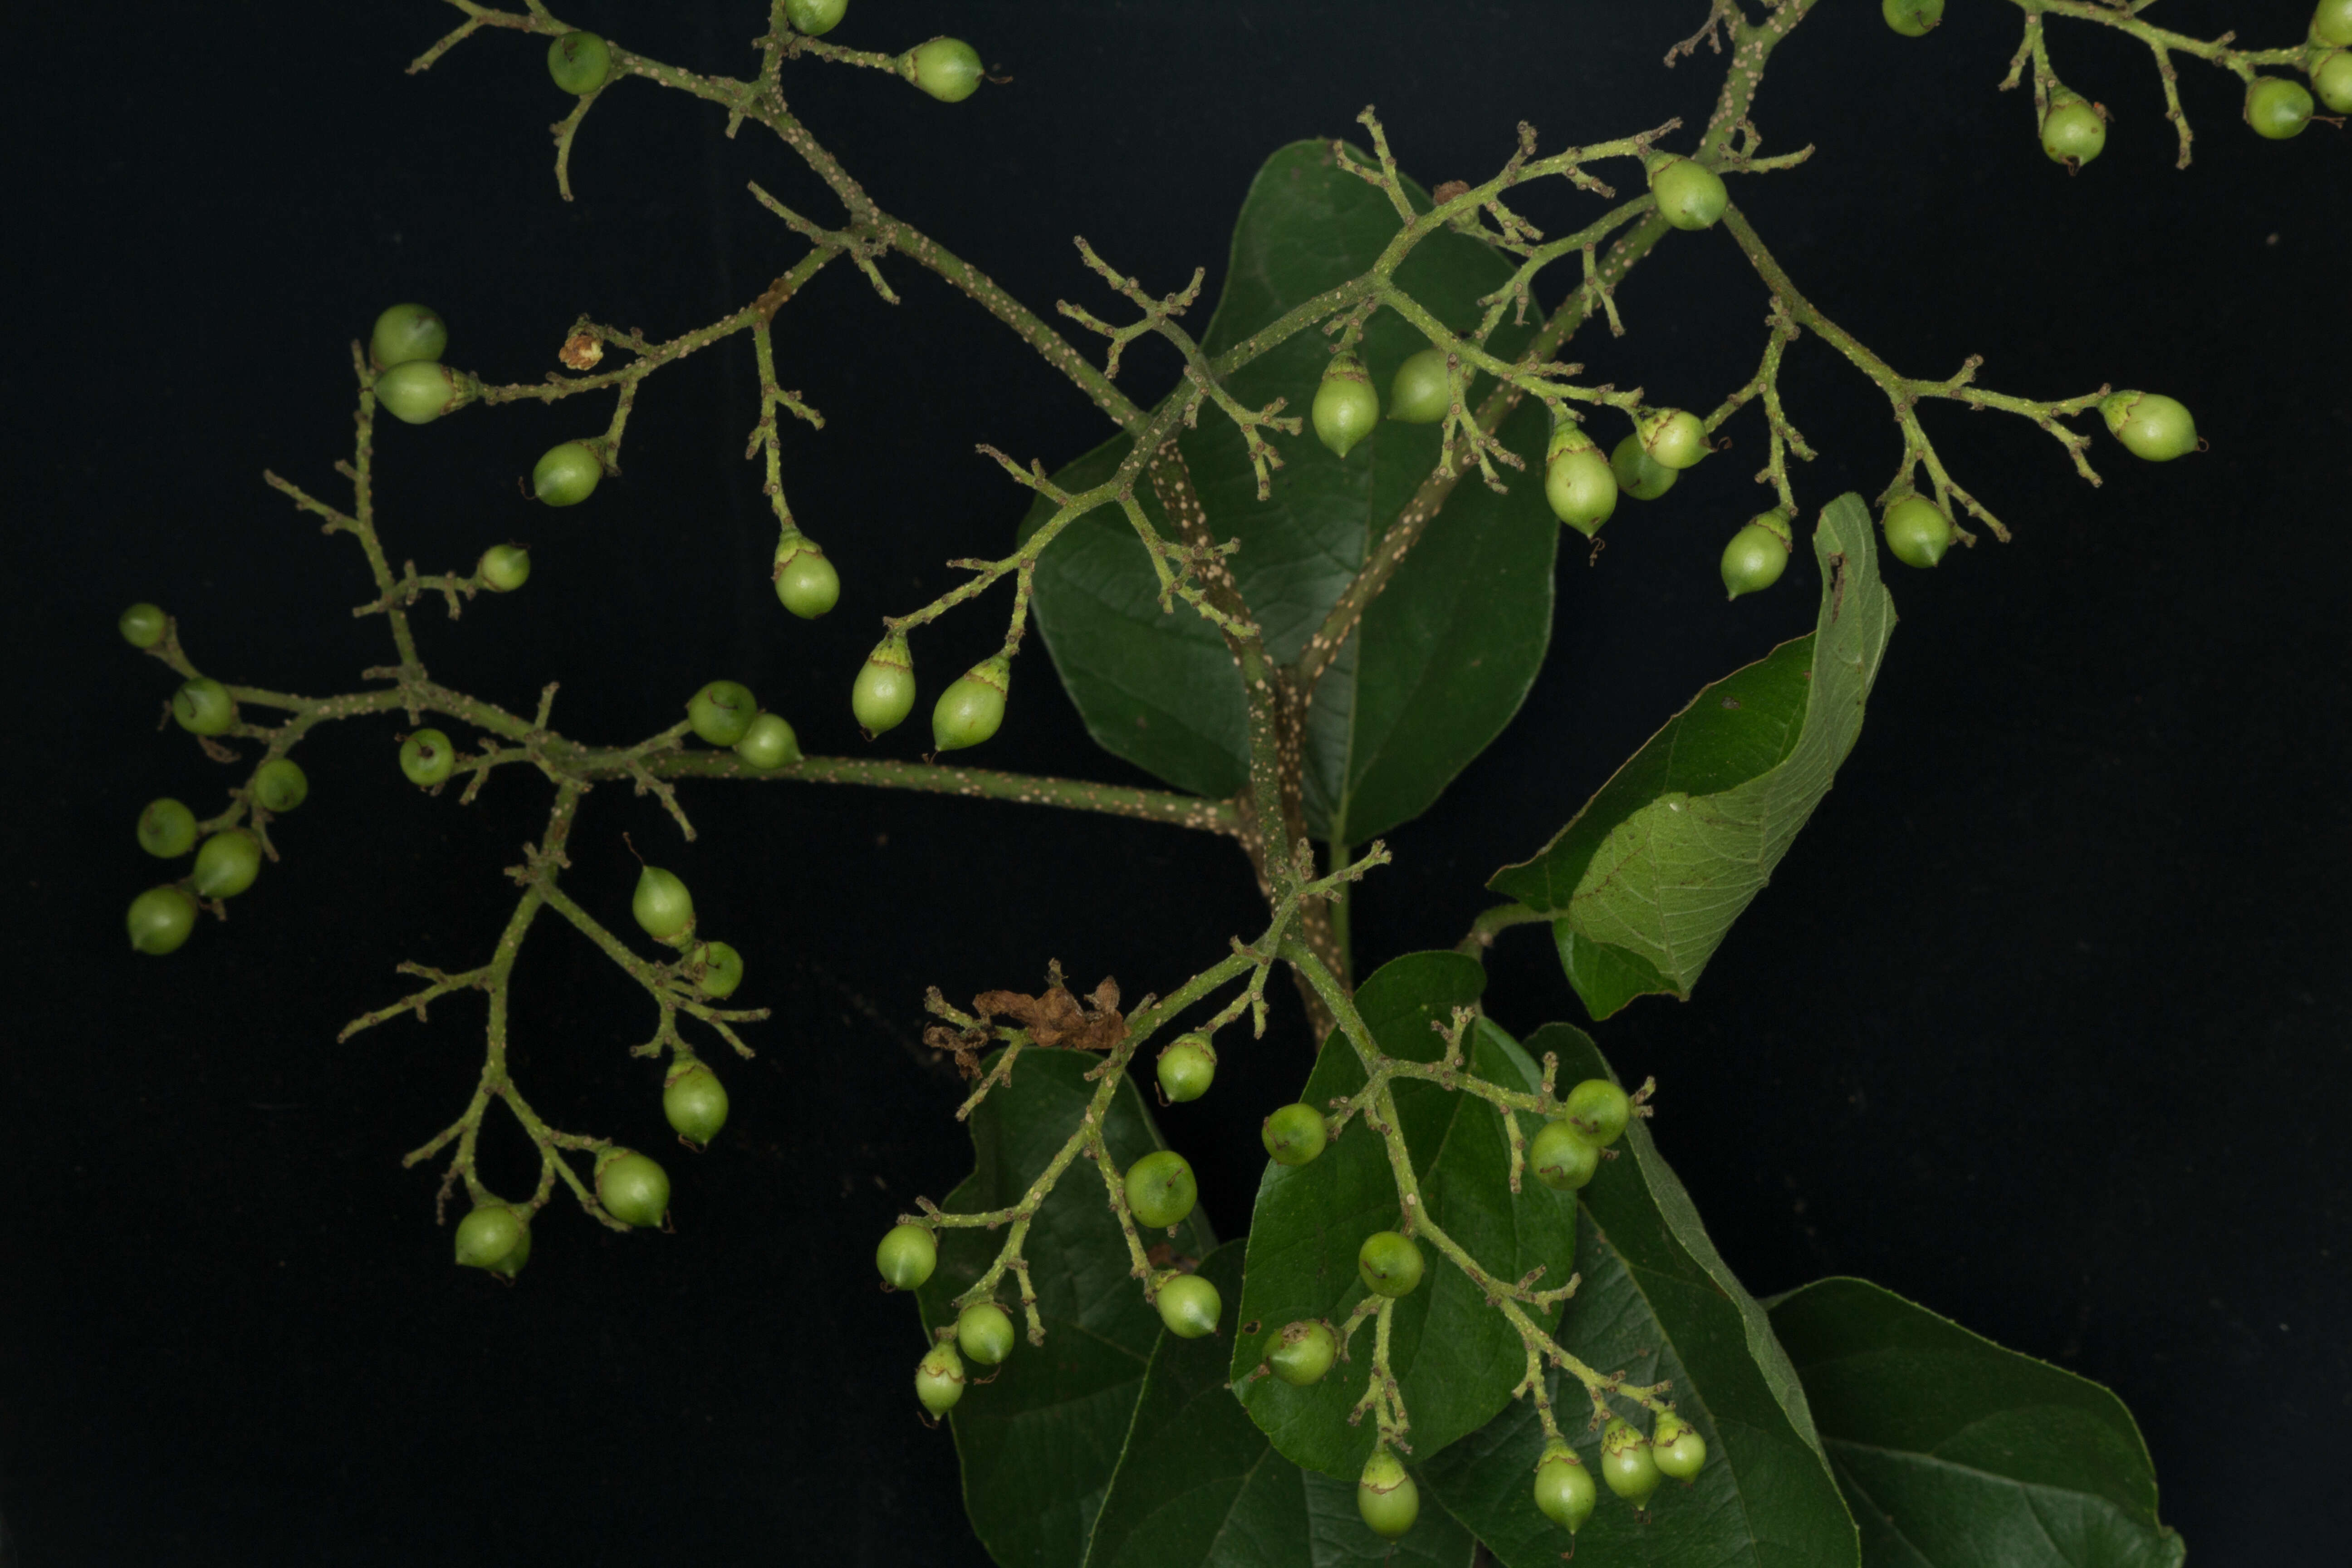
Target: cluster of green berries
725	713
1345	407
2327	60
1631	1464
631	1187
1565	1152
969	712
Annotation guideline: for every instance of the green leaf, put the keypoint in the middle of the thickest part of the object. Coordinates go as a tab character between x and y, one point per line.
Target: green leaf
1644	882
1455	1358
1441	660
1657	1301
1955	1453
1199	1486
1039	1443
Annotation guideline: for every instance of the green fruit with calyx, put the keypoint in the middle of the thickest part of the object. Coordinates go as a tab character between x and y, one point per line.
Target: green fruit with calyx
1386	1497
721	712
1562	1158
984	1334
1294	1134
1627	1464
908	1255
1579	484
632	1186
167	829
160	920
884	692
1912	18
503	568
664	908
1306	1353
1187	1067
814	18
1677	1448
279	784
422	390
1345	407
142	625
972	707
1758	554
567	474
427	758
2331	79
2277	107
2073	130
580	62
227	864
1672	438
2331	22
404	333
204	707
1420	394
939	1379
1639	475
806	582
1160	1190
1388	1264
768	744
2151	425
694	1103
946	69
1599	1110
489	1236
1689	195
1917	530
1564	1490
1190	1306
722	970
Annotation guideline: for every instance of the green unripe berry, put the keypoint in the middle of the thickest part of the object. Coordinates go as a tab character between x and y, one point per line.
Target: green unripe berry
503	568
768	744
167	829
1386	1496
1912	18
1160	1190
1917	530
1187	1067
1638	475
1306	1353
279	784
2331	22
1599	1110
142	625
489	1236
1388	1264
806	582
722	711
1420	394
939	1379
1677	1448
2331	80
633	1188
1627	1463
984	1334
579	62
722	970
694	1103
567	475
2277	107
1690	195
884	692
422	390
1294	1134
1564	1490
1672	438
814	18
1190	1306
2153	425
227	864
2073	131
204	707
1345	407
427	758
1562	1158
1758	554
664	908
1579	483
511	1264
972	707
908	1255
946	69
406	332
160	920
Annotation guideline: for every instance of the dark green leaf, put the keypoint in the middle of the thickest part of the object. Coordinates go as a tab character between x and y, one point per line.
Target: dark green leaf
1443	657
1039	1443
1657	1301
1955	1453
1199	1486
1455	1358
1644	882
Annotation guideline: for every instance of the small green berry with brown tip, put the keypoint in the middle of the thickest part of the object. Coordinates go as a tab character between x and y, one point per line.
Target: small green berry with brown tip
1305	1354
1187	1067
972	709
1564	1490
1345	407
939	1379
884	693
2073	130
2150	425
1917	530
1756	556
1627	1464
984	1334
1579	484
694	1103
1190	1307
1677	1448
1388	1264
1386	1496
1294	1134
946	69
806	582
1638	474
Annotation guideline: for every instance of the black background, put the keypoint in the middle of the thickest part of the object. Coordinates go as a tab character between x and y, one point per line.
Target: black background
2041	1024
